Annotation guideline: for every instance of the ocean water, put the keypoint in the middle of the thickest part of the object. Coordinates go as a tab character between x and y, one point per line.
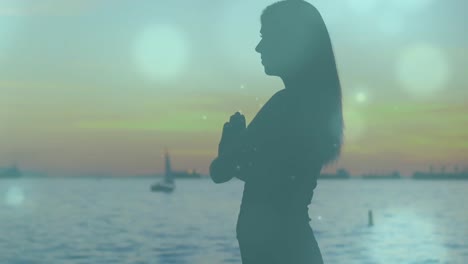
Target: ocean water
120	221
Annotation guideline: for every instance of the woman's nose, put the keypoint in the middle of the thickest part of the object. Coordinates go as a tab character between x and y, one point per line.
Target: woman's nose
258	47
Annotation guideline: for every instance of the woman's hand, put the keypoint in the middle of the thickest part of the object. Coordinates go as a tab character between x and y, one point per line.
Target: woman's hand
231	133
226	165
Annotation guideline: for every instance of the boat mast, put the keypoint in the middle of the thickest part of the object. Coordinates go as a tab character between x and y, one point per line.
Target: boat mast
168	177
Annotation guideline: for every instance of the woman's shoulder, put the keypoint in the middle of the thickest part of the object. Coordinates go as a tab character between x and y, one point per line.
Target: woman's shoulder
285	103
288	98
280	93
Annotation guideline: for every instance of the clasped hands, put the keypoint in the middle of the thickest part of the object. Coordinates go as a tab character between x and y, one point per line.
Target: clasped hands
231	134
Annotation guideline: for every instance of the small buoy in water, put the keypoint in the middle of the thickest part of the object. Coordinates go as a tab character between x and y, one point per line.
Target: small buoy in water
371	219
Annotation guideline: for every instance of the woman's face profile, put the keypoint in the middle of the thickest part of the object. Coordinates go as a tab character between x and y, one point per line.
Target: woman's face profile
282	50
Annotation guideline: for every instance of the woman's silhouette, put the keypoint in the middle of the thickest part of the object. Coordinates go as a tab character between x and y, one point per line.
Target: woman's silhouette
284	148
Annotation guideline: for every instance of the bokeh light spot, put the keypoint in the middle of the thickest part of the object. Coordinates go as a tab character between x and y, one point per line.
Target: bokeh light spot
14	196
161	52
422	70
361	97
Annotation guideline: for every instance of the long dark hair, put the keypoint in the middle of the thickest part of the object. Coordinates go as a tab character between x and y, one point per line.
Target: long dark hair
321	96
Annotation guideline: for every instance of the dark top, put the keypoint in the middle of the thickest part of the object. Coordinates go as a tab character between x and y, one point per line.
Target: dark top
276	161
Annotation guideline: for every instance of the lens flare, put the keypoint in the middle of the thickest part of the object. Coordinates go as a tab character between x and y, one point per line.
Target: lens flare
362	6
411	5
161	52
422	70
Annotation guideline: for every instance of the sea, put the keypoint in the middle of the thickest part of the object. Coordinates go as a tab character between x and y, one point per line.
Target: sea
119	220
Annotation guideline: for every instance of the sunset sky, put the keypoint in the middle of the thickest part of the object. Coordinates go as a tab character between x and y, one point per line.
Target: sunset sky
102	86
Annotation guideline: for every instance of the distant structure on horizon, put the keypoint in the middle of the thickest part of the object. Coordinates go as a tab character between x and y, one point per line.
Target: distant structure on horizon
192	174
442	175
10	172
340	174
432	174
393	175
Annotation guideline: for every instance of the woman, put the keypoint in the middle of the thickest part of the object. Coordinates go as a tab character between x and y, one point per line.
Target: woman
296	133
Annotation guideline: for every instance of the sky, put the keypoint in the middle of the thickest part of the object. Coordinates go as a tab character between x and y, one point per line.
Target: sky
101	86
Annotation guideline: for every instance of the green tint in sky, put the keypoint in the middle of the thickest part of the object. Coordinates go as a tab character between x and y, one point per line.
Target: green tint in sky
102	86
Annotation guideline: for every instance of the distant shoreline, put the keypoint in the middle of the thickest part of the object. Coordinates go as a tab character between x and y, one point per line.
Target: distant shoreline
203	177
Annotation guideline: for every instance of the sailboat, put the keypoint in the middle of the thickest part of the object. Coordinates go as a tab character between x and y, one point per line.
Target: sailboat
167	185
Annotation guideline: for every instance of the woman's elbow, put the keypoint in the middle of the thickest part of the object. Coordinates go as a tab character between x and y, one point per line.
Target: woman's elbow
219	178
217	174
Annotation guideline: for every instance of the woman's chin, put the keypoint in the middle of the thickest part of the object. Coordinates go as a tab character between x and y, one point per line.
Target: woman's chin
269	72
